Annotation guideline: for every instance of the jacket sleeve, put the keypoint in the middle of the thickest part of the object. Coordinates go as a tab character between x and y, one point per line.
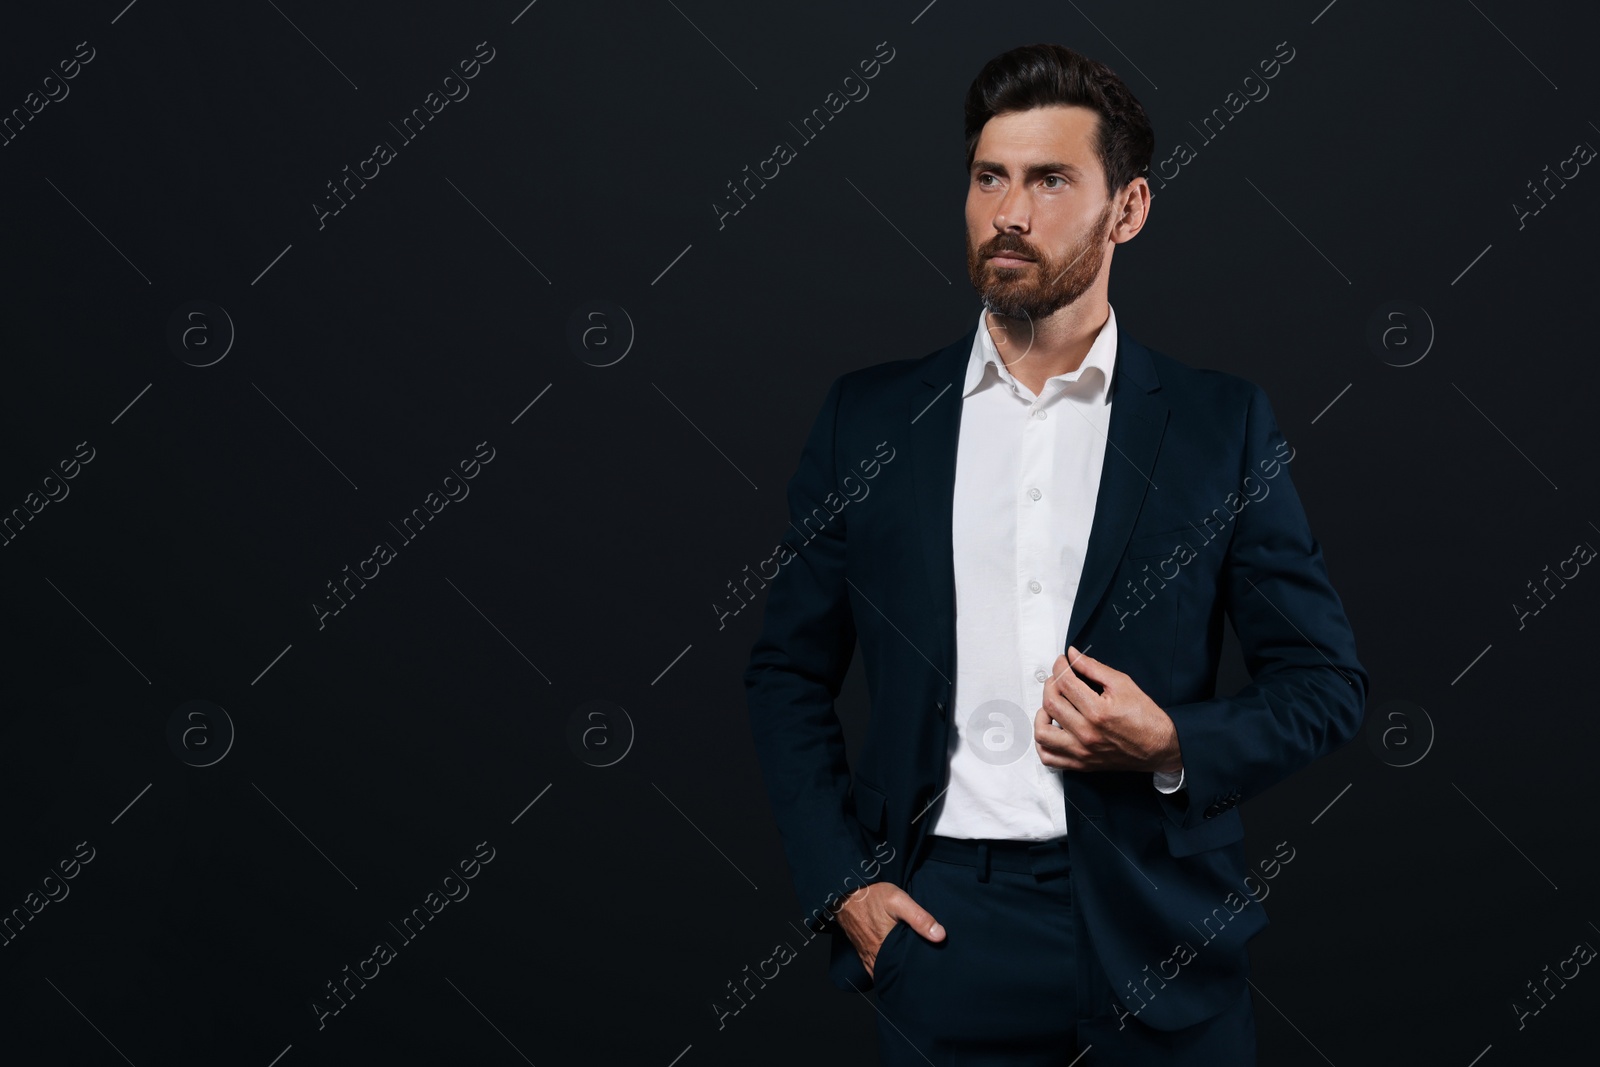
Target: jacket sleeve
796	668
1308	692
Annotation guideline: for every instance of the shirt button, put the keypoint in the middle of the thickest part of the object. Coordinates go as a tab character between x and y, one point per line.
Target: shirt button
1039	675
1041	414
1035	586
1035	494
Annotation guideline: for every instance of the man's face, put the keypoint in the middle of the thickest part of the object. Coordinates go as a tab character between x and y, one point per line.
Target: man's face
1036	190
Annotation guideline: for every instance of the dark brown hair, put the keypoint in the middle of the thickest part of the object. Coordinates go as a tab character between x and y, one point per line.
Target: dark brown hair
1040	75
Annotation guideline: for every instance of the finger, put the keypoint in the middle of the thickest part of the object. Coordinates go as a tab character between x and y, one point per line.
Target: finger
1071	711
1087	665
1072	691
1059	746
1068	688
917	917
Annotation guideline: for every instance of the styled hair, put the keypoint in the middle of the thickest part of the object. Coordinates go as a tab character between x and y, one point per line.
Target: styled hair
1041	75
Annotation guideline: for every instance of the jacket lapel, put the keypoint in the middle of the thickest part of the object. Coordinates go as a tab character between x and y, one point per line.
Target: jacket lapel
935	415
1138	418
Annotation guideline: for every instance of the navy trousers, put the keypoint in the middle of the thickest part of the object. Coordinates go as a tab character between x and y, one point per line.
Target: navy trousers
1014	977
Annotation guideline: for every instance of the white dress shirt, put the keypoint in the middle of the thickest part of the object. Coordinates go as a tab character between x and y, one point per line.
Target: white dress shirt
1027	477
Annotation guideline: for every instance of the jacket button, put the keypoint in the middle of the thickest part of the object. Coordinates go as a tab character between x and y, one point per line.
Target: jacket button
940	705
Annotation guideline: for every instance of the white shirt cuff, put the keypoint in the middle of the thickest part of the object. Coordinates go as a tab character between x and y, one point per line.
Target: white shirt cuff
1168	783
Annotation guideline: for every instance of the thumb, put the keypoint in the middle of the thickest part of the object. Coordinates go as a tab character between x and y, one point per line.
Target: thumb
918	918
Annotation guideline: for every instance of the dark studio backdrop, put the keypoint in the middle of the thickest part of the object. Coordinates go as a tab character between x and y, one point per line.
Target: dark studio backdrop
543	329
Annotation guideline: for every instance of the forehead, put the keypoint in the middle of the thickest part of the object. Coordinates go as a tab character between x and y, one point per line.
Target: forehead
1065	130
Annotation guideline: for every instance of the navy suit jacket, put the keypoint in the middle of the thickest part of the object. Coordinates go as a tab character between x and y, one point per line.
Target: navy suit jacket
1196	516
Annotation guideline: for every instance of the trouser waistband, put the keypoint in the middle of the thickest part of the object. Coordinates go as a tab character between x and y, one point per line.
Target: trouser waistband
1042	859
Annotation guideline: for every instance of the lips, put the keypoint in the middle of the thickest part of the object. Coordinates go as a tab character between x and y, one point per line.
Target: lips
1011	255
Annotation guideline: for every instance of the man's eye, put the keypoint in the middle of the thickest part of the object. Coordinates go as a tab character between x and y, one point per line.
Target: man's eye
1055	178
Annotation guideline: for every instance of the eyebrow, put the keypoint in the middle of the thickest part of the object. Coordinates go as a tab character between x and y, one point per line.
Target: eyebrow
1033	170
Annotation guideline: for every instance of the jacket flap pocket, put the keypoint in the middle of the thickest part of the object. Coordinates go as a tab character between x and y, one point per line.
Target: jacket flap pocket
1220	830
869	807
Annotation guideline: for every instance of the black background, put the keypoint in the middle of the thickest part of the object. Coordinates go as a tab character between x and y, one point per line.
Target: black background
371	355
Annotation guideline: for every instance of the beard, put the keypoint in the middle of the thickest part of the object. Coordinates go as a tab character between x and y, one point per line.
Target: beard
1037	289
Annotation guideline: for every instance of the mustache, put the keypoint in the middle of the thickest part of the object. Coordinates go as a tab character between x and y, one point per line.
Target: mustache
1000	245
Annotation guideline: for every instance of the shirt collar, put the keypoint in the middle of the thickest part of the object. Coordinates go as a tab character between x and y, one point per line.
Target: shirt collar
1102	355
